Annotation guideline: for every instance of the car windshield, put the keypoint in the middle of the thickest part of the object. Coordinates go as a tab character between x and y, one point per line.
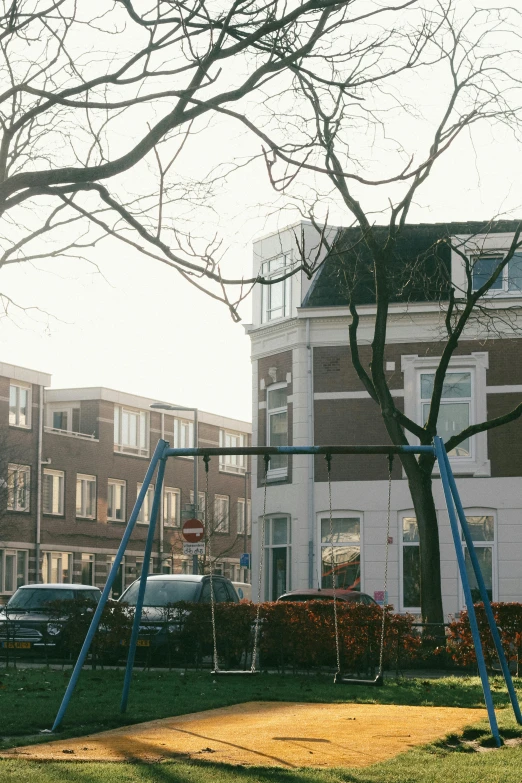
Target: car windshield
39	599
161	592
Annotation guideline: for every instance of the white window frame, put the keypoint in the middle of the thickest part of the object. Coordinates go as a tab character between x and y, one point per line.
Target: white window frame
341	514
142	447
469	401
146	506
492	244
68	409
268	570
407	514
83	480
170	493
183	434
482	512
276	474
240	517
13	471
27	388
47	557
201	503
267	290
221	514
60	476
123	485
9	552
232	463
476	363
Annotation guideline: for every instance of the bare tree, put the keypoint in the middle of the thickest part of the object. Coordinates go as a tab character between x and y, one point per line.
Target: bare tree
350	135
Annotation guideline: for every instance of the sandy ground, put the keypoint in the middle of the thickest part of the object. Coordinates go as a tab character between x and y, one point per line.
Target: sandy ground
267	734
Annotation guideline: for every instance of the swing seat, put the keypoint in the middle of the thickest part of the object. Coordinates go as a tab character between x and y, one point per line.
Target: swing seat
230	672
340	679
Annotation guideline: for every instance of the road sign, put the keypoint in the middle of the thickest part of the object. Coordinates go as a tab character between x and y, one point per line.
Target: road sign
193	531
244	560
193	549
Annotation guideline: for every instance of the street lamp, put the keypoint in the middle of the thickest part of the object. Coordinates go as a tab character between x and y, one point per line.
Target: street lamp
165	407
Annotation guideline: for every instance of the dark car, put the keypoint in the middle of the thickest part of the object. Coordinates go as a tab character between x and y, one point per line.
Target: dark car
161	622
327	594
29	621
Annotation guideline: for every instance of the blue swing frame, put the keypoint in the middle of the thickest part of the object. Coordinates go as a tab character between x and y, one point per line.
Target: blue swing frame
455	511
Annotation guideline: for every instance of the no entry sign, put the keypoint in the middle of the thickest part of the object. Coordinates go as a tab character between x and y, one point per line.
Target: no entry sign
193	531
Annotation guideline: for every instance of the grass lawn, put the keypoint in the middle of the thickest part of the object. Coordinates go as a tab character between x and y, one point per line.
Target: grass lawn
29	699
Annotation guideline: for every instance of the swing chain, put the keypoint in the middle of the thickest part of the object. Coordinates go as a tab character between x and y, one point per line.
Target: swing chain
328	458
381	649
261	557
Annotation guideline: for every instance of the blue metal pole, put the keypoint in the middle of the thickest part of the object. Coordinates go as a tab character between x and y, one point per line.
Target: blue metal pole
483	593
440	452
143	584
110	579
262	450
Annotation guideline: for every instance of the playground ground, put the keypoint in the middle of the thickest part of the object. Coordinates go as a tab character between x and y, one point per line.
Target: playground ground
459	752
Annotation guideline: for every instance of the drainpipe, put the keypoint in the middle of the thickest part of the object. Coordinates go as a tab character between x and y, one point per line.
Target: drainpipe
39	485
311	487
161	547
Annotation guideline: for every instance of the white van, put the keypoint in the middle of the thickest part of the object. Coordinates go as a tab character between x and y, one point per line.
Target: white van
244	590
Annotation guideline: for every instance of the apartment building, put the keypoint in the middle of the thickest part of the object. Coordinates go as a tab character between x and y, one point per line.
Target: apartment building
306	391
71	465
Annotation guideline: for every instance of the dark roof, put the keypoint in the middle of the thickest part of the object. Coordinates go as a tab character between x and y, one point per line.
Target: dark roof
420	270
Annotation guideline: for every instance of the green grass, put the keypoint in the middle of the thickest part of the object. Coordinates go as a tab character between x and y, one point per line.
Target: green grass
29	699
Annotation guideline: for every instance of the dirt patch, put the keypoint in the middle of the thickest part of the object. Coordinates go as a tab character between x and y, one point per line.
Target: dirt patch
269	734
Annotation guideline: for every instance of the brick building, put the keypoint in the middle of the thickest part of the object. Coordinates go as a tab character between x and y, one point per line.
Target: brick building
93	446
305	391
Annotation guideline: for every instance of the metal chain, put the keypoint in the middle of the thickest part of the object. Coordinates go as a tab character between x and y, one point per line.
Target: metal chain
332	561
209	549
260	579
381	652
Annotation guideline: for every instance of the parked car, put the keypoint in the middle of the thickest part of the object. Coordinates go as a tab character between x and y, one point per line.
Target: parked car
29	620
327	594
244	590
161	623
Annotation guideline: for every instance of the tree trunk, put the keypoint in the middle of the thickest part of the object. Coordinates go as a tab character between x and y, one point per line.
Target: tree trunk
421	489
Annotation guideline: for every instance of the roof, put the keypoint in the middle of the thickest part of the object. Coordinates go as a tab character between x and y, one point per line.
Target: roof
59	586
420	270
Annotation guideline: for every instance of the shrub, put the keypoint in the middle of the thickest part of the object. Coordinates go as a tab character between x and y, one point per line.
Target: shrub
508	617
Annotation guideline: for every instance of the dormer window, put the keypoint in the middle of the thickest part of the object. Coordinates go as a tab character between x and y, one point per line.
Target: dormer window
276	298
509	280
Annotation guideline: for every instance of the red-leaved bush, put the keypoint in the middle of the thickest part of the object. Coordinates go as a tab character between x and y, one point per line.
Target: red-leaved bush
508	617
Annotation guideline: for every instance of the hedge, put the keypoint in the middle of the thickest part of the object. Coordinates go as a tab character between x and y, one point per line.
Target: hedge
508	617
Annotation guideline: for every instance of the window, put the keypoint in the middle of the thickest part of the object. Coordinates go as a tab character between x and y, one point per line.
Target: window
277	429
18	487
139	566
241	516
411	573
277	557
455	407
19	405
183	435
64	418
199	512
345	540
482	529
146	507
509	280
116	500
221	513
276	298
232	463
57	567
85	496
87	569
131	431
171	506
13	569
53	491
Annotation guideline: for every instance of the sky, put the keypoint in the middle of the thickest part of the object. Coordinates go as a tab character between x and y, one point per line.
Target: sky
137	326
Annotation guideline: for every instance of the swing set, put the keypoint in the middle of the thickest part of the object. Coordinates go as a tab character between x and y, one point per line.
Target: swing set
456	515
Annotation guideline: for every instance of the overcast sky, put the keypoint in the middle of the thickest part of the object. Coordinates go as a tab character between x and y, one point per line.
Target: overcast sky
139	327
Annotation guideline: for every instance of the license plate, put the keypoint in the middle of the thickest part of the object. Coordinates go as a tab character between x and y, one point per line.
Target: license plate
17	645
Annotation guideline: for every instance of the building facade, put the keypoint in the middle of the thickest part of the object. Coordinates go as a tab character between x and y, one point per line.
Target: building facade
72	464
306	391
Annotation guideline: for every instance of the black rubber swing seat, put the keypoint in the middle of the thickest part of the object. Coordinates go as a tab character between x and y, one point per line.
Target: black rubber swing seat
340	679
232	672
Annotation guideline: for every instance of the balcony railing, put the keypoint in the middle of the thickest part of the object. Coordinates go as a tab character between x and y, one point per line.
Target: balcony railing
69	434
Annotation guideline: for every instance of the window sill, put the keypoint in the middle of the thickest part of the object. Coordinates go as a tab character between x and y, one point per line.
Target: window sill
85	519
18	510
50	515
121	450
21	426
231	472
171	526
116	521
